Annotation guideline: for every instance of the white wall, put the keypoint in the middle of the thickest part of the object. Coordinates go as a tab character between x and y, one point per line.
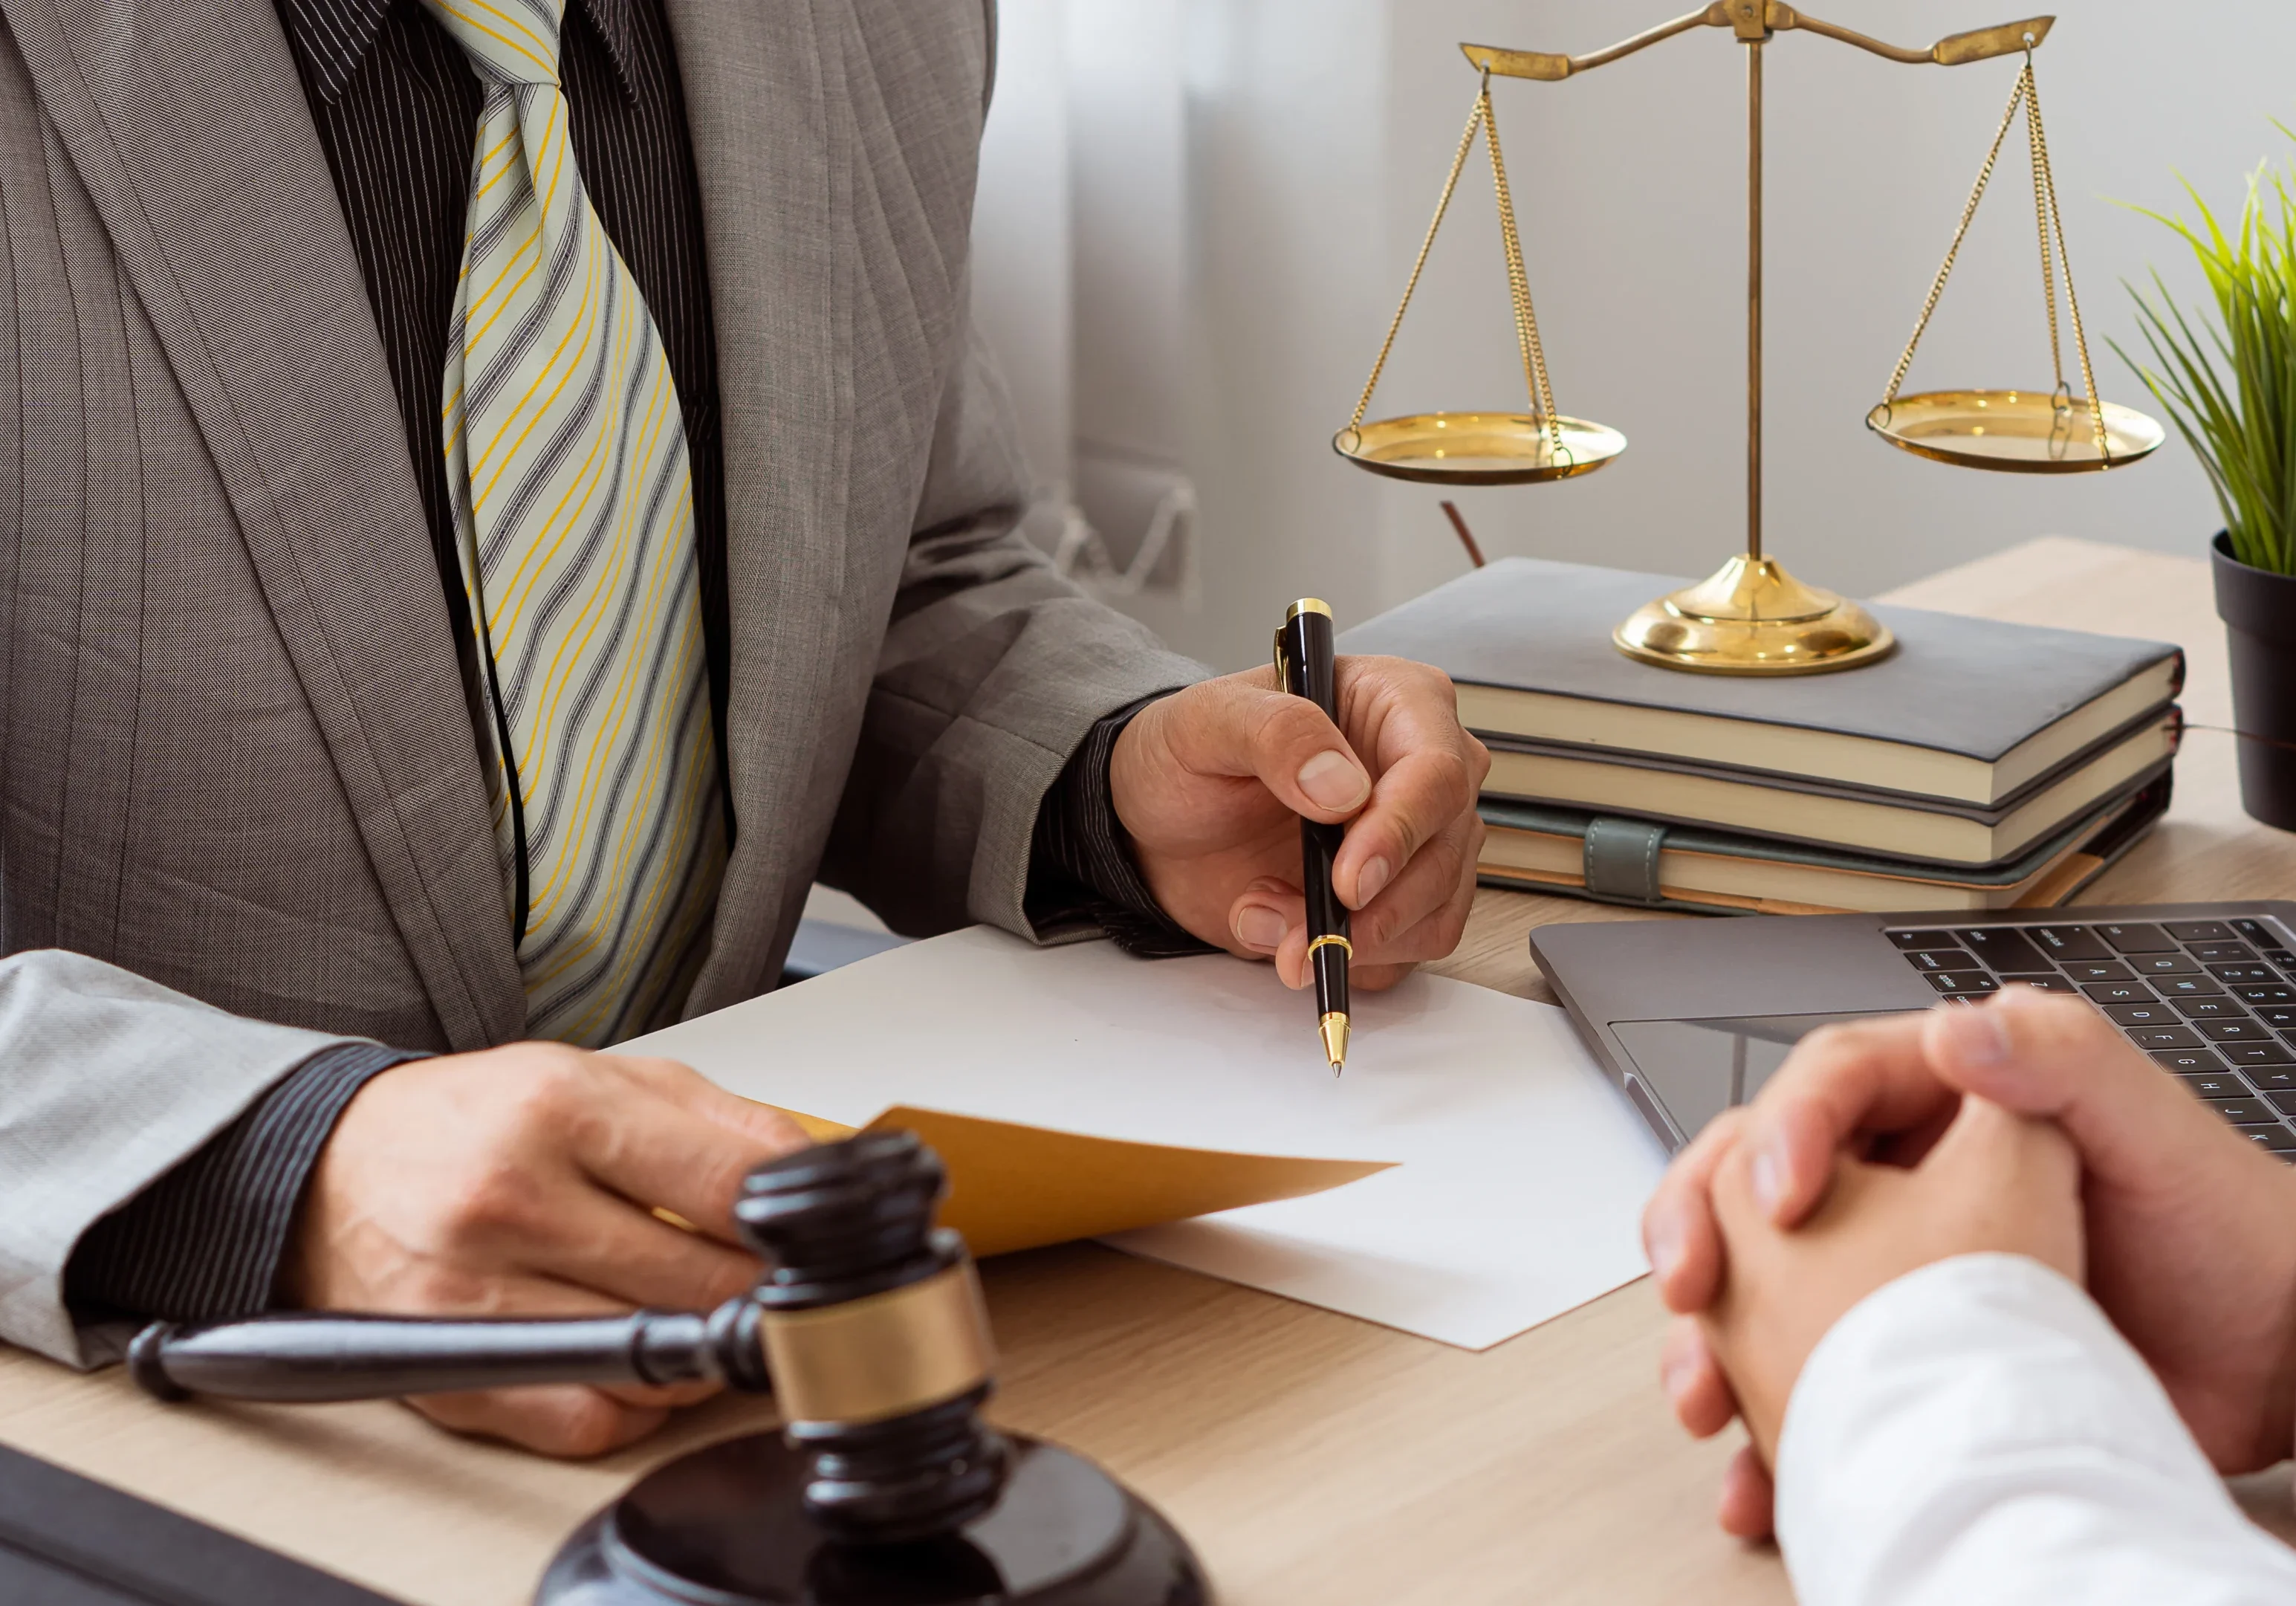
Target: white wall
1319	131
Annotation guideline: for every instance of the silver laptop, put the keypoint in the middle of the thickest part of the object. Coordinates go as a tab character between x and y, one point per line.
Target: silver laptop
1691	1016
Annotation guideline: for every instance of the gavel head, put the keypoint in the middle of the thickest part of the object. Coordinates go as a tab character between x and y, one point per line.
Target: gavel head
873	1326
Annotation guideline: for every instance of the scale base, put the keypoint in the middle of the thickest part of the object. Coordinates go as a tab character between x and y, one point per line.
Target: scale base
1750	617
726	1526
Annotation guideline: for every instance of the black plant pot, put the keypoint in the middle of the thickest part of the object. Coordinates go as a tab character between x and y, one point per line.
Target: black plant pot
2259	609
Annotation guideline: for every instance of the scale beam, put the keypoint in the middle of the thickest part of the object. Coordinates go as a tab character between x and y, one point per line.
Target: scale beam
1757	20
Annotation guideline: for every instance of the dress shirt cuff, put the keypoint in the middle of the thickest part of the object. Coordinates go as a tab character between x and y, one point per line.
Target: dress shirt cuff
1977	1431
1081	869
206	1240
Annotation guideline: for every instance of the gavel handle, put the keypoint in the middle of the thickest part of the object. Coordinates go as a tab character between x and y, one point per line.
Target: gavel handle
315	1356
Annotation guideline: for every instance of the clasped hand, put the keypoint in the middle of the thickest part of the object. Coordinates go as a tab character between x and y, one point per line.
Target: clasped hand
2027	1124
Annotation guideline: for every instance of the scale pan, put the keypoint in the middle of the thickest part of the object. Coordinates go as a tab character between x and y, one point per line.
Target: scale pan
1478	448
2015	431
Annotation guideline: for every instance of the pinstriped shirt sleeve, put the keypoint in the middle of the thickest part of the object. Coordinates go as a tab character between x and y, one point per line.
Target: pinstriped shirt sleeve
207	1239
1082	874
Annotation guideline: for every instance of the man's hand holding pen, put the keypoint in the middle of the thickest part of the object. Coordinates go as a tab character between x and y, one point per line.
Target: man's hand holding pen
1213	782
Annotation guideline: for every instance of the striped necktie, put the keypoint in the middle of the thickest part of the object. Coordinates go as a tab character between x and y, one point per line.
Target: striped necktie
566	456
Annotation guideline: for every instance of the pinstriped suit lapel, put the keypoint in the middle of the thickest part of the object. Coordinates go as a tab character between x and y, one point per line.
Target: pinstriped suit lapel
772	148
187	122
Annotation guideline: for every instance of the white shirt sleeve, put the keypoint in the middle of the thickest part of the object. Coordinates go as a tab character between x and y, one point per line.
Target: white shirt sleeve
1977	1432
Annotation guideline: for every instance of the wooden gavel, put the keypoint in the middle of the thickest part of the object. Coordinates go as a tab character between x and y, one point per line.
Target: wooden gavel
868	1328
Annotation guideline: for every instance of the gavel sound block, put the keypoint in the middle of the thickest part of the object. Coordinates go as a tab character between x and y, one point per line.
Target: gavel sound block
883	1488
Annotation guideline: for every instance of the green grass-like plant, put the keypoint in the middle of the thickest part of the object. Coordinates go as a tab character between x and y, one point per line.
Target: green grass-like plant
2230	388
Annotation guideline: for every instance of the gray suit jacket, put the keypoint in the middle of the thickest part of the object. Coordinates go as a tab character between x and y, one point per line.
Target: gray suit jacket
239	758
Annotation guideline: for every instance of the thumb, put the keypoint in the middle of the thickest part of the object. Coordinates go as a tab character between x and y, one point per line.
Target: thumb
1234	726
2057	1059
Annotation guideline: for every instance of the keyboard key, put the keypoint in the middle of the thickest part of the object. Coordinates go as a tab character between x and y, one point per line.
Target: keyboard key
2279	993
2140	1014
1921	939
2062	943
2002	949
2222	952
2098	970
2278	1139
2200	930
2044	983
2244	1111
2162	964
2279	956
2208	1009
2282	1016
2285	1102
2271	1079
2253	970
1959	983
2247	1055
2164	1037
2140	938
2233	1031
1941	959
2208	1084
2256	931
2187	986
2119	992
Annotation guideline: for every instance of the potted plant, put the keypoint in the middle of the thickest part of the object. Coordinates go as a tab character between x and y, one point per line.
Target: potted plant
2230	390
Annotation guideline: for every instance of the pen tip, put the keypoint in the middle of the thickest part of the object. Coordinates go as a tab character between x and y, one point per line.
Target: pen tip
1334	1028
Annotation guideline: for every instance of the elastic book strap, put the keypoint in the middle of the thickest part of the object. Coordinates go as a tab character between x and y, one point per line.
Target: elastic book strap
1622	860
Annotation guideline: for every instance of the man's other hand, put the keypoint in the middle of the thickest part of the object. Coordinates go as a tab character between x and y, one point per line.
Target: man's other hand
520	1182
1211	782
1994	1183
2187	1222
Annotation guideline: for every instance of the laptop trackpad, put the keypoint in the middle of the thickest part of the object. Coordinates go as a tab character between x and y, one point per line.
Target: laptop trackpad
1698	1069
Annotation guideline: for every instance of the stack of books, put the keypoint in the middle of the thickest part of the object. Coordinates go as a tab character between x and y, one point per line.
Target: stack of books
1981	765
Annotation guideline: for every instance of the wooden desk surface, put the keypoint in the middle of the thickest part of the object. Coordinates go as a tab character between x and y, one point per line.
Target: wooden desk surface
1309	1456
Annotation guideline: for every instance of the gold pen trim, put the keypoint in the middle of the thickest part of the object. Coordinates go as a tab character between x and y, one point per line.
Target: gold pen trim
1338	941
1307	604
1334	1028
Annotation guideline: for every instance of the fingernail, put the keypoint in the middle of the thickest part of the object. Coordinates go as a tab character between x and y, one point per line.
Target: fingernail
1260	929
1371	878
1664	1248
1769	1179
1978	1035
1333	780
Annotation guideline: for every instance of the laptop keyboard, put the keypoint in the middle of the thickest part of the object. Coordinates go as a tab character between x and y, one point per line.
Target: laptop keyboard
2212	1001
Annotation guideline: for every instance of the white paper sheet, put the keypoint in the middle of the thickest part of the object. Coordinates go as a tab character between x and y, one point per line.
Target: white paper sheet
1522	1171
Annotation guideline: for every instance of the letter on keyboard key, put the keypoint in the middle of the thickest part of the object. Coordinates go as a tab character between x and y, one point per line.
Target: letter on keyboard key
1958	984
2245	1112
2119	992
2253	1056
2279	1140
2139	939
2200	930
2140	1014
2206	1085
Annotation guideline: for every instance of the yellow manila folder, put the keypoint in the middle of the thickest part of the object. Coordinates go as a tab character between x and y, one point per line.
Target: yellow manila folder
1016	1187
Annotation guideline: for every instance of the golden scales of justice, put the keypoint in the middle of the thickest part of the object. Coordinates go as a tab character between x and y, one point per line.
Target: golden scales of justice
1752	617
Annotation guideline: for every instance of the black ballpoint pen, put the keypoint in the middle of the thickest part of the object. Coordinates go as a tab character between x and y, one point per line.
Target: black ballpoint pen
1303	660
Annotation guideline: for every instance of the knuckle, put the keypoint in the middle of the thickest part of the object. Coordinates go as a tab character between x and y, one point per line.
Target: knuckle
587	1424
491	1200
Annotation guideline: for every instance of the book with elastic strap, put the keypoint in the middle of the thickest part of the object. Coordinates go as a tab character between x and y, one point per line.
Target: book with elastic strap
1965	710
1532	848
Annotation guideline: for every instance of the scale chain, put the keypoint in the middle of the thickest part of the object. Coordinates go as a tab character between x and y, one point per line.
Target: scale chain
1526	321
2048	185
1480	120
1443	205
2025	95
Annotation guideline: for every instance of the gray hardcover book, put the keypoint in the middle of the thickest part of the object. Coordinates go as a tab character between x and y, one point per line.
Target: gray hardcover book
1968	709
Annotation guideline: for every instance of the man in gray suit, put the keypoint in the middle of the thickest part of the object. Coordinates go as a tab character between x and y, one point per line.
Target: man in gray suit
499	494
